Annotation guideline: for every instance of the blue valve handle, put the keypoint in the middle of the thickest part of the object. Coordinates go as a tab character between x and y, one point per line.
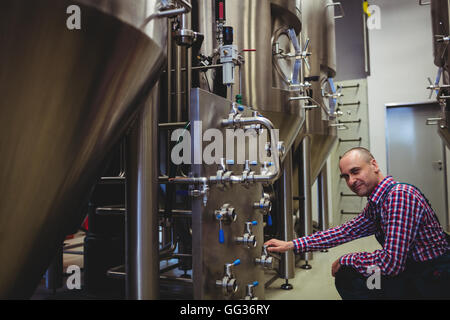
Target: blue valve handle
237	262
255	283
269	220
221	236
254	223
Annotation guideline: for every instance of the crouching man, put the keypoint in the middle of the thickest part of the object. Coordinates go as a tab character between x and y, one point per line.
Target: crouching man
414	262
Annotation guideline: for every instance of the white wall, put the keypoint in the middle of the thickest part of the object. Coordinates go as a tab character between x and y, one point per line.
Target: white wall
401	59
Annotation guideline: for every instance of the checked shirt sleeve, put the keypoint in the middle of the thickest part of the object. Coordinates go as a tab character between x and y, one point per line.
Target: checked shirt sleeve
403	214
359	227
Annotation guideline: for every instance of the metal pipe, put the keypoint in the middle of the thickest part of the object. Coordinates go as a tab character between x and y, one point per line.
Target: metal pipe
274	143
169	71
172	125
323	198
287	263
176	279
142	269
186	8
186	24
350	140
308	225
352	121
177	213
201	68
178	84
349	212
188	81
269	178
349	104
348	87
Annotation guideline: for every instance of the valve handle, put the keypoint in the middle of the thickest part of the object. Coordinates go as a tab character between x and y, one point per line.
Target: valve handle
237	262
254	223
221	236
255	283
269	220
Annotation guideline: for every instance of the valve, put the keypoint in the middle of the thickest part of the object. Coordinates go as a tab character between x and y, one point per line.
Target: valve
223	175
228	56
248	174
225	214
265	169
202	191
266	260
228	283
265	206
248	239
250	291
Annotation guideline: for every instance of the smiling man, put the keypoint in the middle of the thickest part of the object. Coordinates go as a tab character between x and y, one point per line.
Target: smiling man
414	261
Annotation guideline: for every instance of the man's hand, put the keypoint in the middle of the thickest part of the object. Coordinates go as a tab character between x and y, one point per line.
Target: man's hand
275	245
335	267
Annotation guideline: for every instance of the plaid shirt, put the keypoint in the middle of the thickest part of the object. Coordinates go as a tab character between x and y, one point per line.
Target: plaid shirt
402	221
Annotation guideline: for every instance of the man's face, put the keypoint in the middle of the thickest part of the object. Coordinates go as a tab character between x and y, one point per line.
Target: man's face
361	176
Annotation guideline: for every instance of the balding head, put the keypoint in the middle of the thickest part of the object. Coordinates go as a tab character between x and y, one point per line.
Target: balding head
360	170
362	152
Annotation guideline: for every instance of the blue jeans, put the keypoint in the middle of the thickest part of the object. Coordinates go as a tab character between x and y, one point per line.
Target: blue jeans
424	280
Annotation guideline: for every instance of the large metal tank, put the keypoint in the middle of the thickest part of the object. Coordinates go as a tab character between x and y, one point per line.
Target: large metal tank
67	98
253	36
440	25
317	25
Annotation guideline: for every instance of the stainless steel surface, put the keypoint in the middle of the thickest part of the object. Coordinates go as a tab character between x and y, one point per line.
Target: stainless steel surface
249	20
287	11
67	97
307	184
440	19
142	221
323	136
210	256
251	31
286	213
440	27
328	57
207	26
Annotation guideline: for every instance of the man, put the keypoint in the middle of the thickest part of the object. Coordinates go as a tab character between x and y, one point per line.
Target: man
414	261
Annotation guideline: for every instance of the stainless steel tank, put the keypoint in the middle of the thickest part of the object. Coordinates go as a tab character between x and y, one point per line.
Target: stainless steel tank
67	97
255	22
317	24
252	31
440	26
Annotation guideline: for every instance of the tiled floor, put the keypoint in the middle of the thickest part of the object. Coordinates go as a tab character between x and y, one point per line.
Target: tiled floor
317	283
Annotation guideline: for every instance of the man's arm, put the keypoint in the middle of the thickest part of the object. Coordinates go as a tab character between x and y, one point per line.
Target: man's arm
401	224
361	226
